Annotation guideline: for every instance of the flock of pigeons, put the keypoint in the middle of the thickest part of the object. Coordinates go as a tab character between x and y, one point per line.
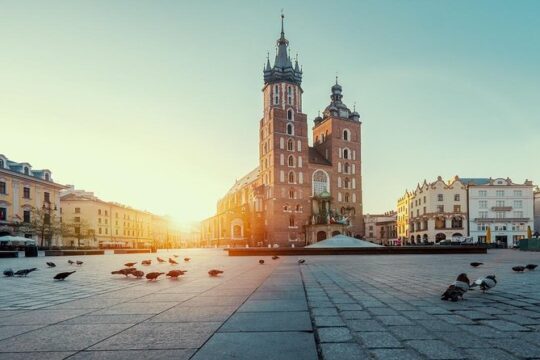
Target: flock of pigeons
50	264
130	269
458	288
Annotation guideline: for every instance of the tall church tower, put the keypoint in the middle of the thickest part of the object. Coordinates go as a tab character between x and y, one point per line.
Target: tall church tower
283	150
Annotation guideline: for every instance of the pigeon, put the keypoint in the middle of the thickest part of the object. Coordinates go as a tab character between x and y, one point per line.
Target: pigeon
261	262
485	283
518	268
275	257
531	266
456	290
131	264
160	260
476	264
124	272
153	275
172	261
24	272
9	272
79	262
146	262
50	264
71	262
176	256
302	261
215	272
186	259
176	273
138	274
63	275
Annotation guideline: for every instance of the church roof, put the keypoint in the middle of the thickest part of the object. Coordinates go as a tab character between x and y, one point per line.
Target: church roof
283	69
247	179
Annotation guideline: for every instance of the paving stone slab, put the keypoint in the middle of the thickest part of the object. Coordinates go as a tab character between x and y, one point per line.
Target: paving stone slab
183	313
9	331
379	340
273	305
48	355
434	349
395	354
343	351
488	354
268	321
334	334
365	325
266	345
178	354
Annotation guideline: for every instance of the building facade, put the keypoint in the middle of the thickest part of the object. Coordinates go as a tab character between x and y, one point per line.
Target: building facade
402	217
382	228
438	211
298	194
537	211
25	193
506	208
97	223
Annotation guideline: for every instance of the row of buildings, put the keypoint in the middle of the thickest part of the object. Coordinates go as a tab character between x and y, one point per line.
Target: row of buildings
32	205
461	207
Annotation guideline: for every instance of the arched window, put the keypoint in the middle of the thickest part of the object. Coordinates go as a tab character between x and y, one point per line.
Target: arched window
47	177
290	129
291	177
291	160
346	183
320	182
290	114
26	170
290	145
346	135
290	94
286	207
298	207
276	94
346	168
346	197
291	221
292	194
346	153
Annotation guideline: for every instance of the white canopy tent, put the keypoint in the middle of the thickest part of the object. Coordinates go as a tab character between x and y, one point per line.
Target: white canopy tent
16	240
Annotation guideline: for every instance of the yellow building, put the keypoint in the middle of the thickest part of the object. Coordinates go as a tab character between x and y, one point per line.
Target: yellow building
25	192
98	223
403	211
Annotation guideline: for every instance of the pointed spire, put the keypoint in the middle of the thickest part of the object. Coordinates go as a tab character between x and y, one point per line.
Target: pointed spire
282	27
268	68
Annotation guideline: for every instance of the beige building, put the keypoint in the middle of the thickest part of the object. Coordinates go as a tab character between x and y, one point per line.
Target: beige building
438	211
381	228
402	222
98	223
537	211
24	193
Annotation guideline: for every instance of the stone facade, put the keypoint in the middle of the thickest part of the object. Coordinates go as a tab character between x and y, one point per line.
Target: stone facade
22	190
403	212
382	228
298	194
537	210
438	211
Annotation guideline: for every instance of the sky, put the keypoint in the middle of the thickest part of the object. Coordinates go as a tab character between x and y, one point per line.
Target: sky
156	104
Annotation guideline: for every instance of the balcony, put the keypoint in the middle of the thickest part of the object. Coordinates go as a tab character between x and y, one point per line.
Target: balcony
501	208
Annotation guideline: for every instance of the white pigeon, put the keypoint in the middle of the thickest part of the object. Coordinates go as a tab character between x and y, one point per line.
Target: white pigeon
485	283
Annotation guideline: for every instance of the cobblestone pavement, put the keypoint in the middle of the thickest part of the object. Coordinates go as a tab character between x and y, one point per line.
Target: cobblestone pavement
334	307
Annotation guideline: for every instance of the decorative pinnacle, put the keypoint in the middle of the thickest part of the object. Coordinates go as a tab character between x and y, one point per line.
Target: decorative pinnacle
282	27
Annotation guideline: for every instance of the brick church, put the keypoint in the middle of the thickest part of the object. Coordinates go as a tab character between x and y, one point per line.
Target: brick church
299	194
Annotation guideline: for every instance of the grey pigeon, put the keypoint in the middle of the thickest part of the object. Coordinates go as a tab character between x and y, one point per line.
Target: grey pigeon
63	275
50	264
9	272
24	272
485	283
456	290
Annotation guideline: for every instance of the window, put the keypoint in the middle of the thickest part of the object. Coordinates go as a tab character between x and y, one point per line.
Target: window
518	193
500	214
456	197
26	170
440	208
291	160
289	114
346	183
99	220
499	193
482	204
2	187
518	214
346	153
47	219
290	92
1	164
26	192
3	214
346	135
46	197
290	129
440	197
457	208
499	203
346	197
106	230
26	216
77	219
99	212
291	177
292	194
99	231
47	177
482	193
518	204
298	208
276	94
290	145
320	182
346	168
106	213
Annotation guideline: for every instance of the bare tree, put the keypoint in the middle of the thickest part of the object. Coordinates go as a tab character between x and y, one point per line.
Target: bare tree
77	228
44	223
